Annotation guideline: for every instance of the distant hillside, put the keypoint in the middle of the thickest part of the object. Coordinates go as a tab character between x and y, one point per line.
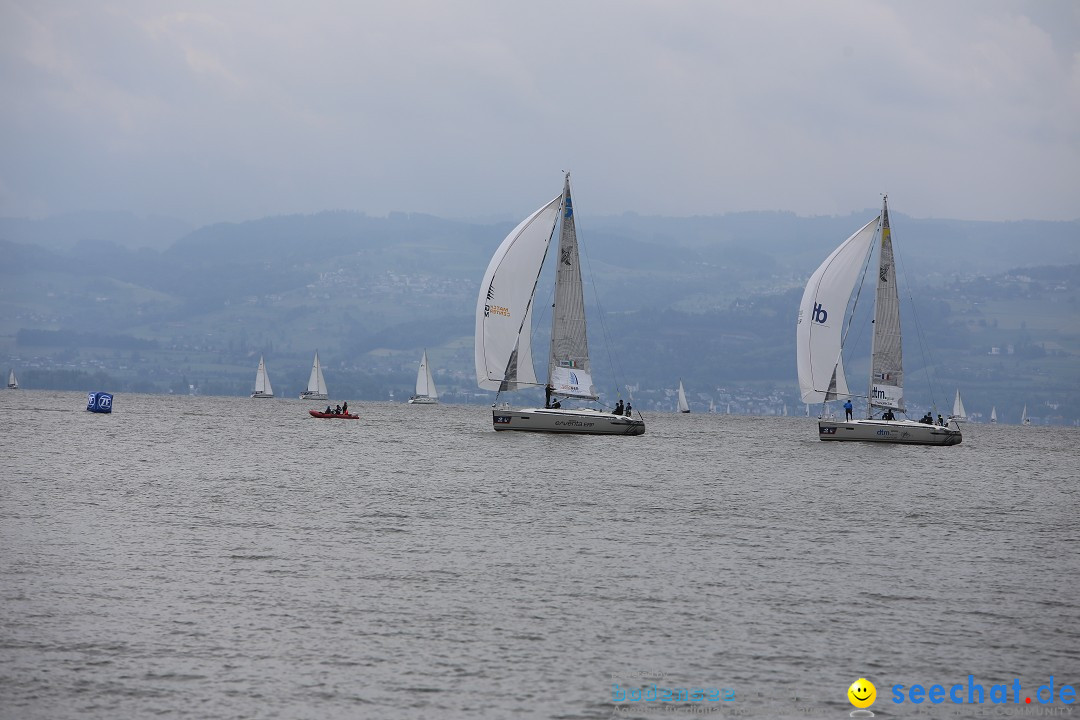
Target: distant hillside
708	299
62	232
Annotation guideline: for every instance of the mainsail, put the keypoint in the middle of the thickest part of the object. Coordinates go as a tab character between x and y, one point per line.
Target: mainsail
568	366
819	334
887	362
502	347
684	407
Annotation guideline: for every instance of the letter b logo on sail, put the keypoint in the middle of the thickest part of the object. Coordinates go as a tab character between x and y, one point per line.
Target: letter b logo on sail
820	315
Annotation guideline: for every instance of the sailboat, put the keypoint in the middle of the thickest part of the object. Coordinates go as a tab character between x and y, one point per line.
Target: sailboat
425	385
1024	419
820	336
316	384
503	348
684	407
993	414
12	383
262	382
958	412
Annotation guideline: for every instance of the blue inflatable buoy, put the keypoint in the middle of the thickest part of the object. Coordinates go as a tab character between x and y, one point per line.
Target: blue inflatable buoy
99	402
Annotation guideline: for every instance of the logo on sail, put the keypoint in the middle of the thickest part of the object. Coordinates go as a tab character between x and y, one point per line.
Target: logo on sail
573	377
820	314
569	208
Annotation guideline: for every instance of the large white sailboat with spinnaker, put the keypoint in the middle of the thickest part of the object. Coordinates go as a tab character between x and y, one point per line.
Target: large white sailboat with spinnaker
820	336
503	348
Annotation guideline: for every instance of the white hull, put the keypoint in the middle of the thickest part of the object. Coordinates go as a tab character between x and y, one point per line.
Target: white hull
310	395
906	432
581	422
262	395
423	400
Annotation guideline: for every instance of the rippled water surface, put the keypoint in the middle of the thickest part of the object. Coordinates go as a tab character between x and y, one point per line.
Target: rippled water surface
234	558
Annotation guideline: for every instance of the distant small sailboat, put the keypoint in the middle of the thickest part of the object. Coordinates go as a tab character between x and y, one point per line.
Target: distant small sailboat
426	394
12	383
958	412
262	382
316	384
1024	419
684	407
993	414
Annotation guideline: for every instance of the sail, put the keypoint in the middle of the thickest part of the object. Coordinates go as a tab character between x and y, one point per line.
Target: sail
568	366
12	383
958	406
502	349
819	333
262	380
425	383
993	414
316	382
1024	420
887	362
684	407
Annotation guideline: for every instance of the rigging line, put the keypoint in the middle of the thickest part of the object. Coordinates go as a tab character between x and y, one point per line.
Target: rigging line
616	371
923	344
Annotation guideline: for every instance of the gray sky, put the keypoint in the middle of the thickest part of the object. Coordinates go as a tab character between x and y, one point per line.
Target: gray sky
236	109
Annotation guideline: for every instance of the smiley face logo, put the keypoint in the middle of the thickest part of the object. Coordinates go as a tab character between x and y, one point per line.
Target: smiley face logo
862	693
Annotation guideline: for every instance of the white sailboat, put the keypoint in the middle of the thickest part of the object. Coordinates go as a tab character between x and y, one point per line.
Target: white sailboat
1024	419
262	382
316	384
503	349
684	407
958	412
993	414
820	338
12	383
425	385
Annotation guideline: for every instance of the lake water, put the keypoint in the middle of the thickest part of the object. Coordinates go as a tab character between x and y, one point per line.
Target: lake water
233	558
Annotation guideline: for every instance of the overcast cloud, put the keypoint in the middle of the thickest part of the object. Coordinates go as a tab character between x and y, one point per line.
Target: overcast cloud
231	110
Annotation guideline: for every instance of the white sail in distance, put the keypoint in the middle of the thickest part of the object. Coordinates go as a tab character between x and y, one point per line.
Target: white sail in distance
425	382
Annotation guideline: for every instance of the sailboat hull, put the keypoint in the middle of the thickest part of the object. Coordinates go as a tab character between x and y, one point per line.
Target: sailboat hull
313	395
573	421
423	400
262	395
904	432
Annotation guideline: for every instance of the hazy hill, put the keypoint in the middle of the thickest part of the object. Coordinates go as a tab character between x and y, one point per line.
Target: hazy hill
708	299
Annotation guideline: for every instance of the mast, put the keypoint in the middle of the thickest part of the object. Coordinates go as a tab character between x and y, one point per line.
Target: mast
569	374
886	356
